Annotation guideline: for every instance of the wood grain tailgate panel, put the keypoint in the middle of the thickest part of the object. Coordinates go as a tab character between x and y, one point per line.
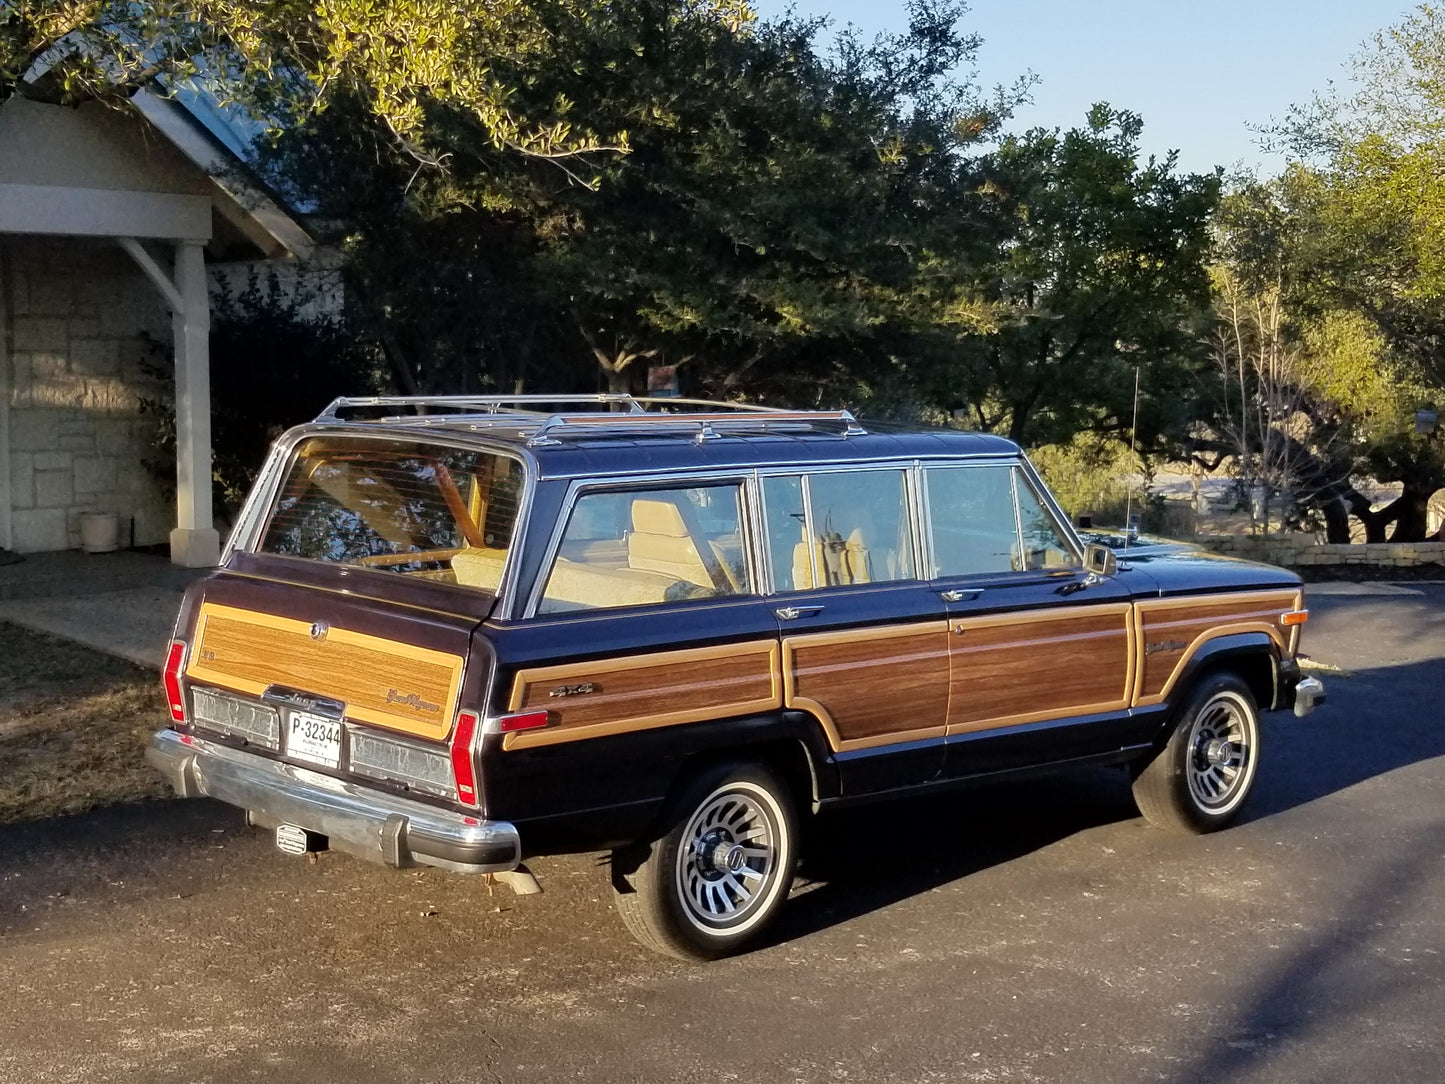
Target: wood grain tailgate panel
391	684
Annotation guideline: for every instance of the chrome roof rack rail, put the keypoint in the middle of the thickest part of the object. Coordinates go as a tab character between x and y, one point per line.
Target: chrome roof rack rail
484	404
703	426
594	415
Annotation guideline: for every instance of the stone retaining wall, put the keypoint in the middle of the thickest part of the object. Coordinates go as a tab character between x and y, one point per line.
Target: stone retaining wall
1297	550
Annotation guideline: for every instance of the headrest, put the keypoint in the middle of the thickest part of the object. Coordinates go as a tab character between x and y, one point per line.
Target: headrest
658	517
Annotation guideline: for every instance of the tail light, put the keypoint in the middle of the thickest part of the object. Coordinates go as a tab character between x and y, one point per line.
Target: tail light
175	661
464	765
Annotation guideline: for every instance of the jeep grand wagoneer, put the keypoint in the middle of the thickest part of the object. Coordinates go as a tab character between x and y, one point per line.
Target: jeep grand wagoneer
468	630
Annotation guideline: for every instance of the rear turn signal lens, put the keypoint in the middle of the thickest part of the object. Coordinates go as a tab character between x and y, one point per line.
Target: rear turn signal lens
1294	617
464	765
175	659
508	724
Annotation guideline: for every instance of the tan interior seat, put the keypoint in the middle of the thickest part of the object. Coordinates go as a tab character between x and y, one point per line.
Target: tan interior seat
478	567
576	586
840	561
660	542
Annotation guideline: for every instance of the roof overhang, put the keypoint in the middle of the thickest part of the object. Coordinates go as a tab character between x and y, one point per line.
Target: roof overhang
237	197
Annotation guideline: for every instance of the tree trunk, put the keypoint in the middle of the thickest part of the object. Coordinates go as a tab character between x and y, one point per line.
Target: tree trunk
1410	521
1337	520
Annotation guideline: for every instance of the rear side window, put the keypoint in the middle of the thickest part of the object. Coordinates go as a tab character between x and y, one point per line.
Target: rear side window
647	547
838	528
422	510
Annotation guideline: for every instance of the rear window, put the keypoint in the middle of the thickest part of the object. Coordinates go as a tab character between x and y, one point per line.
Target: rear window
417	509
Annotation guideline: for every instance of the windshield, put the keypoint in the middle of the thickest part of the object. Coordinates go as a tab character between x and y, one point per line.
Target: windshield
418	509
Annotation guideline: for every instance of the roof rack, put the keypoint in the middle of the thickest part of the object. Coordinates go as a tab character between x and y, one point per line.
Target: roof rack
626	414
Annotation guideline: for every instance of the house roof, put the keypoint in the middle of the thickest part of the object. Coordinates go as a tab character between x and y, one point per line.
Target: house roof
197	128
98	171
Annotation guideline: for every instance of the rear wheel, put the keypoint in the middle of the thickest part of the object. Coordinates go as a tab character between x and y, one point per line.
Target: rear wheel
719	872
1199	781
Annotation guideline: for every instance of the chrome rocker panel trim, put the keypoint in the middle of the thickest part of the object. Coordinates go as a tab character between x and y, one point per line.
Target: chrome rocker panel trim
378	827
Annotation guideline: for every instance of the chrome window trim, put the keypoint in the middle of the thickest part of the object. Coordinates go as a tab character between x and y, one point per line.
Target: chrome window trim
810	528
922	524
1013	489
251	523
580	487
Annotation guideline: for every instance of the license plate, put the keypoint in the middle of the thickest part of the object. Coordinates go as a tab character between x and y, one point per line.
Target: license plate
314	738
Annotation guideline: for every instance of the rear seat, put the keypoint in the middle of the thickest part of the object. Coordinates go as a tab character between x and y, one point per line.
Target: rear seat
574	586
477	567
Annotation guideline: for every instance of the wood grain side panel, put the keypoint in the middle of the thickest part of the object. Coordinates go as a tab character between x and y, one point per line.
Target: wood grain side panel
1172	630
614	696
383	682
871	686
1013	669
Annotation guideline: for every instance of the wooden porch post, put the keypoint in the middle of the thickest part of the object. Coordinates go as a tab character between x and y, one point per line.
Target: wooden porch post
195	542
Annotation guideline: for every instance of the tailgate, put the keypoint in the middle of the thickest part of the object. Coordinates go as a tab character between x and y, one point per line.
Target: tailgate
394	666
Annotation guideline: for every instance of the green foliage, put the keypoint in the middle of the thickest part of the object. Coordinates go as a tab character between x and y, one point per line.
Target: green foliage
291	60
1102	478
273	366
785	225
1096	271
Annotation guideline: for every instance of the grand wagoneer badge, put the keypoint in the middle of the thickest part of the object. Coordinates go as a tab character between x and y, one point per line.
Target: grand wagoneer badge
411	700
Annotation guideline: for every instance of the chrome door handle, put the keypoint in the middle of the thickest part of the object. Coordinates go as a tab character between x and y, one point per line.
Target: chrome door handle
792	613
957	595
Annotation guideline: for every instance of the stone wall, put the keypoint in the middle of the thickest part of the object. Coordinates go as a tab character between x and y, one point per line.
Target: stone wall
1297	550
80	319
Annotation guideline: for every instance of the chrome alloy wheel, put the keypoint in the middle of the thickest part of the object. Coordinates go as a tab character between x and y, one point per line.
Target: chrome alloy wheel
1222	744
727	863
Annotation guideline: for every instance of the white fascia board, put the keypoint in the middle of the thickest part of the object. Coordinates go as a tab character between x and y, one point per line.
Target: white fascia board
103	212
244	204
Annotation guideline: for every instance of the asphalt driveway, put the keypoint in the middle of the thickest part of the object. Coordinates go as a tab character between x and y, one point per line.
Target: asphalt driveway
1036	932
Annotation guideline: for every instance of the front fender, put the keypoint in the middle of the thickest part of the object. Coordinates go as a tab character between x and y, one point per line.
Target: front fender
1254	656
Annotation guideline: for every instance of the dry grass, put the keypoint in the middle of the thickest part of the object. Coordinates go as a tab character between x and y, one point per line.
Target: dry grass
73	727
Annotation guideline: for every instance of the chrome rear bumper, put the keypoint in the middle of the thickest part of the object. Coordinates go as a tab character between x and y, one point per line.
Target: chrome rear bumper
370	824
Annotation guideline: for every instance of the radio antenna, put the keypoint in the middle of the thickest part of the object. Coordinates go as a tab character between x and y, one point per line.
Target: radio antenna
1133	454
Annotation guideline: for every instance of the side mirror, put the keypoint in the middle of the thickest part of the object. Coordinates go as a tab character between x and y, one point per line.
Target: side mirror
1100	560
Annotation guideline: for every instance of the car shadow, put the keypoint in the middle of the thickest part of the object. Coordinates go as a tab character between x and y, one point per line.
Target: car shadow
868	858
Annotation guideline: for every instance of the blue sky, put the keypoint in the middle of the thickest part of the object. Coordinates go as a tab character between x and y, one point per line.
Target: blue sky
1198	73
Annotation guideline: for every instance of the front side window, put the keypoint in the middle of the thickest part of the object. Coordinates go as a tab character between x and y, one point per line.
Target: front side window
648	547
1044	545
837	528
435	512
985	518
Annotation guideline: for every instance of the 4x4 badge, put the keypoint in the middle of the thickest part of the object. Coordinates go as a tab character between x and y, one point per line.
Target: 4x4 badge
319	629
574	690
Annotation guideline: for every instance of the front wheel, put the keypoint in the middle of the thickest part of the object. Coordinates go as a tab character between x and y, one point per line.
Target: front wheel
719	872
1202	776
